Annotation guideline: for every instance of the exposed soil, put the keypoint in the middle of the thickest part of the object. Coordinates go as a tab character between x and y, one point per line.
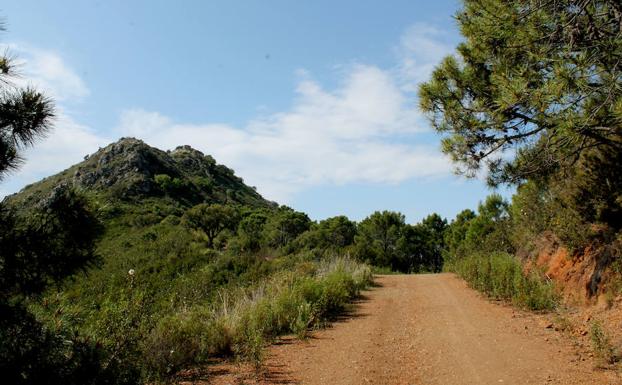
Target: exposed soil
424	329
584	277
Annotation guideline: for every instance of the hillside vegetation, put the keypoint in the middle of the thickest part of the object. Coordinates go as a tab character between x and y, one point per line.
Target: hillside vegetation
132	172
191	264
137	263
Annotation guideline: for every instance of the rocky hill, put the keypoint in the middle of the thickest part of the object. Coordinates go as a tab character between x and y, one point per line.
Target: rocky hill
130	170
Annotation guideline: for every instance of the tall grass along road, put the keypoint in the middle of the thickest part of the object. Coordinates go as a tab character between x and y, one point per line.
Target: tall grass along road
426	329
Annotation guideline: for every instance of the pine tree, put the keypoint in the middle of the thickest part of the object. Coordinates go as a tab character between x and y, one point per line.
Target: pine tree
40	246
25	116
535	85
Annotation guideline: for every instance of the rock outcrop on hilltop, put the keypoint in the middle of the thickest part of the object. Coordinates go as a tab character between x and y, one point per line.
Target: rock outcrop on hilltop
130	169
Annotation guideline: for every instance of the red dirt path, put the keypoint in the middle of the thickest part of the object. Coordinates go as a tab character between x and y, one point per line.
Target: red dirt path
424	329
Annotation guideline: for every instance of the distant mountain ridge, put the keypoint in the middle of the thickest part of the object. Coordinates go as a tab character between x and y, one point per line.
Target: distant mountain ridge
130	169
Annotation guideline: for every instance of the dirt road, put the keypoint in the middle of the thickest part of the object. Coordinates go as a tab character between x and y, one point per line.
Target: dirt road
427	329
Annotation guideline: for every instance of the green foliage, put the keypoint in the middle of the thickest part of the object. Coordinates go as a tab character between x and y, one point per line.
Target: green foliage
594	189
329	235
385	240
40	247
284	226
211	220
250	231
489	230
175	309
431	242
183	340
171	185
204	184
537	208
501	276
479	250
48	244
533	94
33	354
455	235
25	115
378	236
605	352
337	231
538	79
244	320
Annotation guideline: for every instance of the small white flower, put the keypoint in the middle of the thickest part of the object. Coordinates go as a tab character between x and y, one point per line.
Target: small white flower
131	272
172	351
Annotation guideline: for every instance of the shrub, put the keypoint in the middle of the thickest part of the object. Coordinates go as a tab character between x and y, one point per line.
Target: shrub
242	320
184	304
604	351
501	276
30	353
184	339
170	185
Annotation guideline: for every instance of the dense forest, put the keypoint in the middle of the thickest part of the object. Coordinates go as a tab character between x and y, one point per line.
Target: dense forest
137	263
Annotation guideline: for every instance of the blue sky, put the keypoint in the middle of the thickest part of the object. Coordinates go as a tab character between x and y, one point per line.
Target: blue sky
313	102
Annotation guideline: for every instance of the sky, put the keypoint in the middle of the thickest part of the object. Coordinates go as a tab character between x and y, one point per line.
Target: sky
312	102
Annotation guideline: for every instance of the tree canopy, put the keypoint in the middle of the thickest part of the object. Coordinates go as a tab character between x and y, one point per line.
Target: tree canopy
38	248
25	116
535	85
284	226
384	239
211	219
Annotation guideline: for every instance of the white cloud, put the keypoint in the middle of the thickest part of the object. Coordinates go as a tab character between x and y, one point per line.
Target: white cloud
366	130
327	137
69	141
47	71
420	49
67	144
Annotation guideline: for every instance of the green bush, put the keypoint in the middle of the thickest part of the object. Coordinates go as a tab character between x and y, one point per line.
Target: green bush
170	185
291	303
501	276
159	300
243	305
184	339
604	351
